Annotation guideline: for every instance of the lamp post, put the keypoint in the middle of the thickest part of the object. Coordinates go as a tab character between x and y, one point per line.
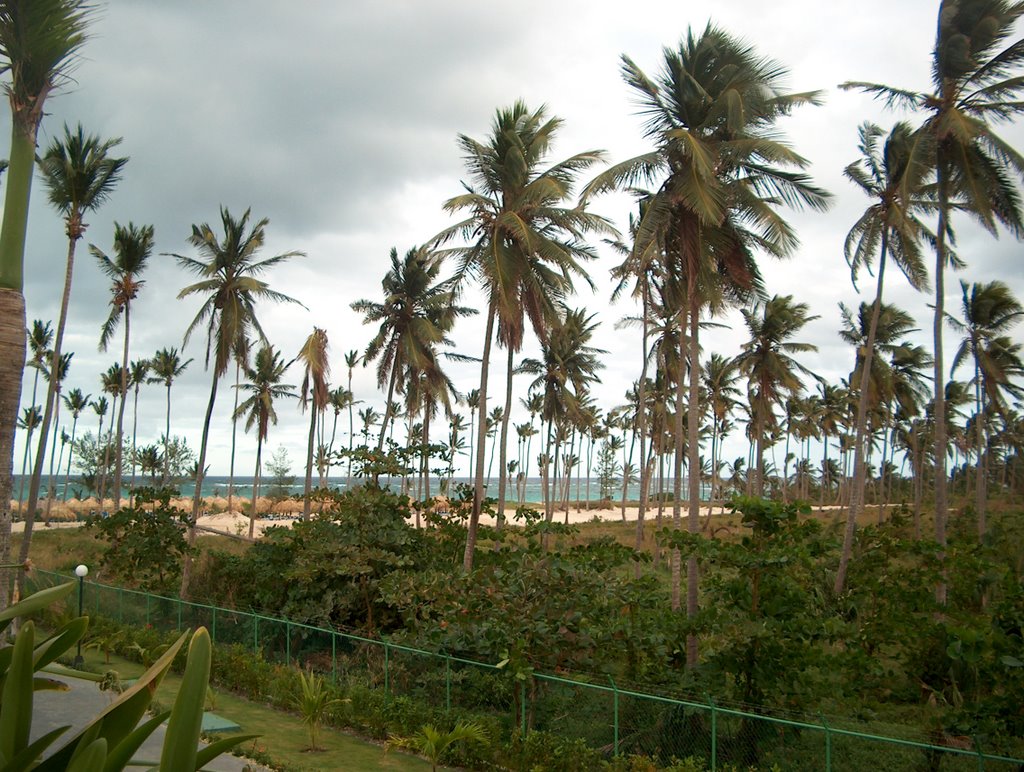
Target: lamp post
81	571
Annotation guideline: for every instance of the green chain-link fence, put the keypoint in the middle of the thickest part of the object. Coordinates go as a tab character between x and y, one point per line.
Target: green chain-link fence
614	720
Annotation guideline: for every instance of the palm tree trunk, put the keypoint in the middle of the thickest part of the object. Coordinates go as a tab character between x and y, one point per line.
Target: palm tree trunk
50	492
253	513
234	436
166	479
308	489
135	431
939	410
118	451
979	494
481	442
642	425
351	430
693	467
71	452
502	471
677	471
197	494
859	468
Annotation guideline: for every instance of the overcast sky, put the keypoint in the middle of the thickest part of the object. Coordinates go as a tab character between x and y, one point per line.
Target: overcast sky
338	122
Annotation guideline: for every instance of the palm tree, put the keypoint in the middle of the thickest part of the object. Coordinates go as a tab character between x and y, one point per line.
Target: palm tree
988	310
522	244
720	376
230	281
315	389
721	171
40	336
974	85
167	365
39	43
772	373
264	387
30	419
351	360
369	417
241	360
415	317
895	176
75	401
100	406
54	380
340	399
113	382
137	375
79	176
132	247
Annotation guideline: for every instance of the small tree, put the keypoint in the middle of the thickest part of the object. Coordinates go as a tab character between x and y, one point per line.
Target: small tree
279	468
609	471
314	702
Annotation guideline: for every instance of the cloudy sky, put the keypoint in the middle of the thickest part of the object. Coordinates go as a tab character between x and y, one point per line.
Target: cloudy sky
338	121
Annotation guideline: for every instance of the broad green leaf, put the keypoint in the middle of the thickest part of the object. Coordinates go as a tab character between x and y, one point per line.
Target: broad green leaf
35	602
91	759
213	750
182	740
60	642
27	757
16	708
120	755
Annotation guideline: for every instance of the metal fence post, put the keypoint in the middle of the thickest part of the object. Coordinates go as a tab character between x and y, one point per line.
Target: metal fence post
213	624
120	606
714	732
615	711
981	756
288	642
334	657
387	670
828	743
179	615
147	608
447	683
255	633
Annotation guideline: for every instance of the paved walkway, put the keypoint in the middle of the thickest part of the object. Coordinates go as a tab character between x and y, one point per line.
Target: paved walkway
84	701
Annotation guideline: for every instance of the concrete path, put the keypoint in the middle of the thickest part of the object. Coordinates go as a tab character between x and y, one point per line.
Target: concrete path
84	701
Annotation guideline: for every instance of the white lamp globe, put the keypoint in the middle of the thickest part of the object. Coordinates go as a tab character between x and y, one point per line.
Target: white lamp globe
81	570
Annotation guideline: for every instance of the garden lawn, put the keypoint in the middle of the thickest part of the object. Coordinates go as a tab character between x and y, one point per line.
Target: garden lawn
284	736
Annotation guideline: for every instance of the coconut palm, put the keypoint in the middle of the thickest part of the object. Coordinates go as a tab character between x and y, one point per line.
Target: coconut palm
75	402
29	421
133	246
229	280
40	336
521	243
719	375
138	373
315	393
100	406
340	399
721	171
975	84
79	175
988	312
264	387
415	317
39	43
896	176
771	371
54	383
166	365
351	360
113	381
241	360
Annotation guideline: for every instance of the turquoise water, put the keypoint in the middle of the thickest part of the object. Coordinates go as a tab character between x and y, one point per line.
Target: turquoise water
217	485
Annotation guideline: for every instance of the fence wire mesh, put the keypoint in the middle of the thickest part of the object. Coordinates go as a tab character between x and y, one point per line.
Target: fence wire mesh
614	721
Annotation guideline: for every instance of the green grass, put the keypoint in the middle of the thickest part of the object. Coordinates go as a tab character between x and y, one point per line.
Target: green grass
284	737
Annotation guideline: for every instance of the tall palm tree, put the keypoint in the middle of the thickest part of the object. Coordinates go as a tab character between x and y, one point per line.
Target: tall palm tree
75	402
39	43
720	375
166	365
113	380
975	84
29	421
315	390
240	361
351	360
340	399
771	371
989	310
415	317
896	177
133	246
522	243
229	279
138	373
56	377
40	336
264	387
369	418
79	175
100	406
721	171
